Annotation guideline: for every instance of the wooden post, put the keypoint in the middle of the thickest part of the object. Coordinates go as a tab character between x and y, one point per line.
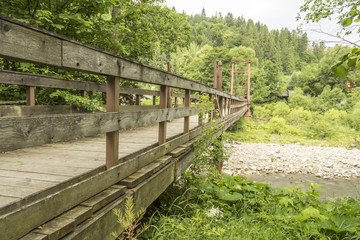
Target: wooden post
30	96
219	87
163	105
112	105
248	90
187	104
232	76
138	100
215	86
154	100
169	100
83	93
176	102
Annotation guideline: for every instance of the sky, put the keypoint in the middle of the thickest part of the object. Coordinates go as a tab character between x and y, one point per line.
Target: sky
276	14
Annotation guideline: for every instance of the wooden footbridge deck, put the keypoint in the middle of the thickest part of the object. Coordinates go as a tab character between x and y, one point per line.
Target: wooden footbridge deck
62	171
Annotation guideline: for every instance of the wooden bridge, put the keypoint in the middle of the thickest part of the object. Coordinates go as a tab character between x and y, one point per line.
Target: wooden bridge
62	171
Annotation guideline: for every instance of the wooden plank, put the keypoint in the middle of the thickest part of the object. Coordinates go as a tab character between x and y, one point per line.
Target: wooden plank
72	195
17	42
103	198
238	106
27	79
32	131
145	172
5	200
21	111
30	96
163	105
27	43
35	176
187	104
112	105
144	195
57	228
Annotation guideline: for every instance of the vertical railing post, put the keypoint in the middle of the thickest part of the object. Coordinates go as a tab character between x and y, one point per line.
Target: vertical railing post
219	87
213	97
30	96
138	100
83	93
232	76
169	100
176	102
187	104
154	100
112	105
248	90
163	105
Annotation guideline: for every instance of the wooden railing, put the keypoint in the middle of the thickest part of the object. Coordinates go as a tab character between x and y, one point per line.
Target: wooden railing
23	42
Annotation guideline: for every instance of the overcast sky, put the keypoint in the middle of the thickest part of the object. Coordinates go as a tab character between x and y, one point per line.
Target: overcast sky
276	14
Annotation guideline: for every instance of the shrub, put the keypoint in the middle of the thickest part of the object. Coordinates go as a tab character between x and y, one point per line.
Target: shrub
354	118
335	116
239	125
298	116
281	109
277	125
261	113
298	99
318	128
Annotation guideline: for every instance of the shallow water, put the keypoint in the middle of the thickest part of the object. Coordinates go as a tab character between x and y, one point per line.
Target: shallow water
332	188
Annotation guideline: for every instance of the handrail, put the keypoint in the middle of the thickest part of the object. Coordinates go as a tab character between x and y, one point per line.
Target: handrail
24	42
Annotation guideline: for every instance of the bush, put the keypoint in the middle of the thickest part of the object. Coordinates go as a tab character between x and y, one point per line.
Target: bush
318	128
298	99
335	116
239	125
261	113
277	125
354	118
298	116
281	109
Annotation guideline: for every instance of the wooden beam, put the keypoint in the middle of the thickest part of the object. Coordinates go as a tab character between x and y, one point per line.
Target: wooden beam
30	96
112	105
163	105
20	132
24	42
154	100
187	104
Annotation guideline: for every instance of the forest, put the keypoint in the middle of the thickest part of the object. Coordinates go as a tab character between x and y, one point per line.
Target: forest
323	107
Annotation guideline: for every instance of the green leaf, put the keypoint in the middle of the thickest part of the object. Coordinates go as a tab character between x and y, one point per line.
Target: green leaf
352	62
285	201
231	196
340	72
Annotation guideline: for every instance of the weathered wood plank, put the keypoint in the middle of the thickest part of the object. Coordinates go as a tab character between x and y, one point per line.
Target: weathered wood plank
32	131
144	195
27	43
17	42
22	111
27	79
238	106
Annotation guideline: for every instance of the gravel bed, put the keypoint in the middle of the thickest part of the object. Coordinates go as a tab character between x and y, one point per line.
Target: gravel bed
270	158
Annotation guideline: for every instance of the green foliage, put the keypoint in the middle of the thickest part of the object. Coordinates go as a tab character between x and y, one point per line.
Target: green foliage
281	109
129	221
277	125
329	98
299	116
347	14
78	101
298	99
129	28
319	128
235	208
261	113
